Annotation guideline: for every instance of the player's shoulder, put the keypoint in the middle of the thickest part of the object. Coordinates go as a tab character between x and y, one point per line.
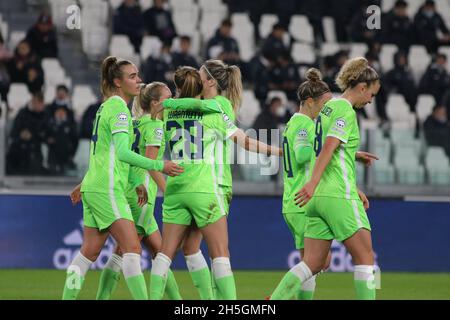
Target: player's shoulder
225	105
115	105
300	120
337	106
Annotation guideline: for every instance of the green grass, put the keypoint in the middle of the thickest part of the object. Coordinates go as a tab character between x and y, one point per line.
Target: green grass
254	285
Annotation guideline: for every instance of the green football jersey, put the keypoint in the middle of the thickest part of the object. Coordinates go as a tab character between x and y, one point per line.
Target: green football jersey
338	119
147	132
106	173
299	132
194	139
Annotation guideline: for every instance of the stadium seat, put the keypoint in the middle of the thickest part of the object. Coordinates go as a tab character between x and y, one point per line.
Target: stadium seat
186	19
387	56
437	164
398	110
181	5
383	173
359	173
329	48
210	5
210	22
14	38
242	21
94	13
409	170
387	5
445	50
54	73
251	165
115	3
82	97
301	29
303	52
249	109
266	24
358	50
404	138
243	32
120	46
195	44
18	97
49	93
414	5
81	157
419	59
151	46
329	29
425	105
4	29
95	41
145	4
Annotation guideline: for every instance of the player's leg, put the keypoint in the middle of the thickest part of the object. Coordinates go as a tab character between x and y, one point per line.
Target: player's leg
93	241
124	232
153	243
110	275
196	263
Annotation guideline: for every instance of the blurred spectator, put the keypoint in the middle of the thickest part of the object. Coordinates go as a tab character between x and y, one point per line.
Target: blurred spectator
62	100
285	9
158	22
342	12
5	79
223	46
437	129
159	68
183	57
436	79
274	42
397	26
87	121
261	69
25	67
401	80
62	140
270	117
332	66
381	97
128	20
359	31
427	23
42	37
28	132
446	102
285	76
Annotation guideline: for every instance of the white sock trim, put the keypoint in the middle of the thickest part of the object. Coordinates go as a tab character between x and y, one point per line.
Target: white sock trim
301	271
196	261
364	272
161	265
309	285
131	265
80	265
221	267
114	263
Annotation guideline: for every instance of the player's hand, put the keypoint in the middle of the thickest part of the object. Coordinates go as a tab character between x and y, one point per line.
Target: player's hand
75	195
364	199
142	195
172	169
305	194
366	157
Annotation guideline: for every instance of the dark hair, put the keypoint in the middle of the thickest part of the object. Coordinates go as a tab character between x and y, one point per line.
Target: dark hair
38	95
441	55
400	4
185	38
437	107
226	23
111	69
62	87
313	87
188	82
279	26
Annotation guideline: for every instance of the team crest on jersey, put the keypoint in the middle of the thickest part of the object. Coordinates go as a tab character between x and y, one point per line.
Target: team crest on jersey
225	117
340	123
159	133
303	133
122	116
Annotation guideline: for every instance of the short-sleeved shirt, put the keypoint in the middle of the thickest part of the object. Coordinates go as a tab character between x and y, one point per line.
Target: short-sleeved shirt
193	139
106	172
338	119
299	132
148	132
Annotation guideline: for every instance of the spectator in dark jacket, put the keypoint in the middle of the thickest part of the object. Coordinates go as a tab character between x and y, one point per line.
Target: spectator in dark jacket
5	79
397	26
87	121
28	133
160	68
25	67
381	97
128	20
285	76
436	79
332	66
437	129
270	117
183	57
62	140
158	22
42	37
223	46
427	23
261	71
62	99
274	42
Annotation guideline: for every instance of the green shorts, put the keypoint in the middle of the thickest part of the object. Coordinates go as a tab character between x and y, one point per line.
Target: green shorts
330	218
296	222
203	208
227	193
143	217
101	210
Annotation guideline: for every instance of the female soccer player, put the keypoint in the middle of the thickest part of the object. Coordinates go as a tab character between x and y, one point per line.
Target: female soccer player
335	210
105	209
194	138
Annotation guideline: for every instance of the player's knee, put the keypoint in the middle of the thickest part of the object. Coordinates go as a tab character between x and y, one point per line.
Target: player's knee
90	252
132	248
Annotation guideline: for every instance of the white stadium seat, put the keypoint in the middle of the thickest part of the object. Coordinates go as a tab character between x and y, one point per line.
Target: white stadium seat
151	46
387	56
18	97
301	29
266	24
329	29
249	109
419	59
425	104
82	97
303	52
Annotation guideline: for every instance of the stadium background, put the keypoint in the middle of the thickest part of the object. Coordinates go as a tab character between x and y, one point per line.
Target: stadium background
409	187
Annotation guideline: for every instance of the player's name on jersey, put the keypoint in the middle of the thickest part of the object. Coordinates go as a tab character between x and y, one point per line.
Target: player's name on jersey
177	114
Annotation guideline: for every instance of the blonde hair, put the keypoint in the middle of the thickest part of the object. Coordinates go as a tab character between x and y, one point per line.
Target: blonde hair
354	71
228	79
142	103
313	87
111	69
188	82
